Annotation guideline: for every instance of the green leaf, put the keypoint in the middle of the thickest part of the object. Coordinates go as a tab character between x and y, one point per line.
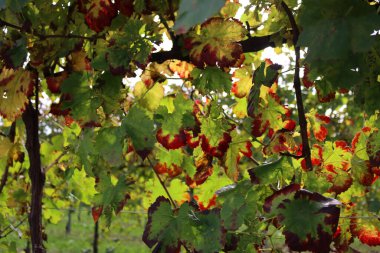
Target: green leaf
268	173
317	223
139	127
187	17
211	79
239	203
109	144
167	230
83	101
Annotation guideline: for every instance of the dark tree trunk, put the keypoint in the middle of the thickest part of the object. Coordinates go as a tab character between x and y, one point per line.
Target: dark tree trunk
37	177
96	238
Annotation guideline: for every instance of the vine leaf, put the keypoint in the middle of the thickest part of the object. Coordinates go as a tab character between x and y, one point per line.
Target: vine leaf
360	162
5	147
270	173
149	99
366	230
242	86
239	201
167	230
240	144
171	135
215	136
98	13
187	17
15	87
141	134
314	229
217	43
336	162
111	197
211	79
317	123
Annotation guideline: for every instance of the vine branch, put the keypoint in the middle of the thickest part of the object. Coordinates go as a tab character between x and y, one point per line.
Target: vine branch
252	44
297	86
51	36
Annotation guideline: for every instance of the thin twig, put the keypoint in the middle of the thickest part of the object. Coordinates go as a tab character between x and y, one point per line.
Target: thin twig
297	86
163	184
55	161
171	34
291	155
11	229
51	36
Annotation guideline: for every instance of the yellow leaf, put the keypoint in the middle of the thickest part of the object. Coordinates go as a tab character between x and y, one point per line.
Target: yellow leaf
15	86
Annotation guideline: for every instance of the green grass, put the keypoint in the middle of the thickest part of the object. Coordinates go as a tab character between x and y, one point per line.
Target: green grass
124	235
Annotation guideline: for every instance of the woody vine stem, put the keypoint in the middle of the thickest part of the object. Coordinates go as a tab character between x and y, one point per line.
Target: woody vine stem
297	86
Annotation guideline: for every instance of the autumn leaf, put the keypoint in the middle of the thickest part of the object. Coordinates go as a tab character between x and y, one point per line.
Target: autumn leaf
15	87
318	123
98	13
242	86
217	43
314	229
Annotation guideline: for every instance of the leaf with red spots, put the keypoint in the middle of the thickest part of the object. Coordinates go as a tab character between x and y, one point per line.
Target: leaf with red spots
360	162
98	13
281	142
182	68
111	197
316	157
314	229
171	141
15	87
336	163
204	169
217	43
343	236
241	87
305	79
373	151
268	113
317	123
366	227
215	137
240	144
170	162
171	135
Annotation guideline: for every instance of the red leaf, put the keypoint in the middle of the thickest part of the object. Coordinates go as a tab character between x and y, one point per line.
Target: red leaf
125	7
305	79
98	13
96	212
54	82
171	142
